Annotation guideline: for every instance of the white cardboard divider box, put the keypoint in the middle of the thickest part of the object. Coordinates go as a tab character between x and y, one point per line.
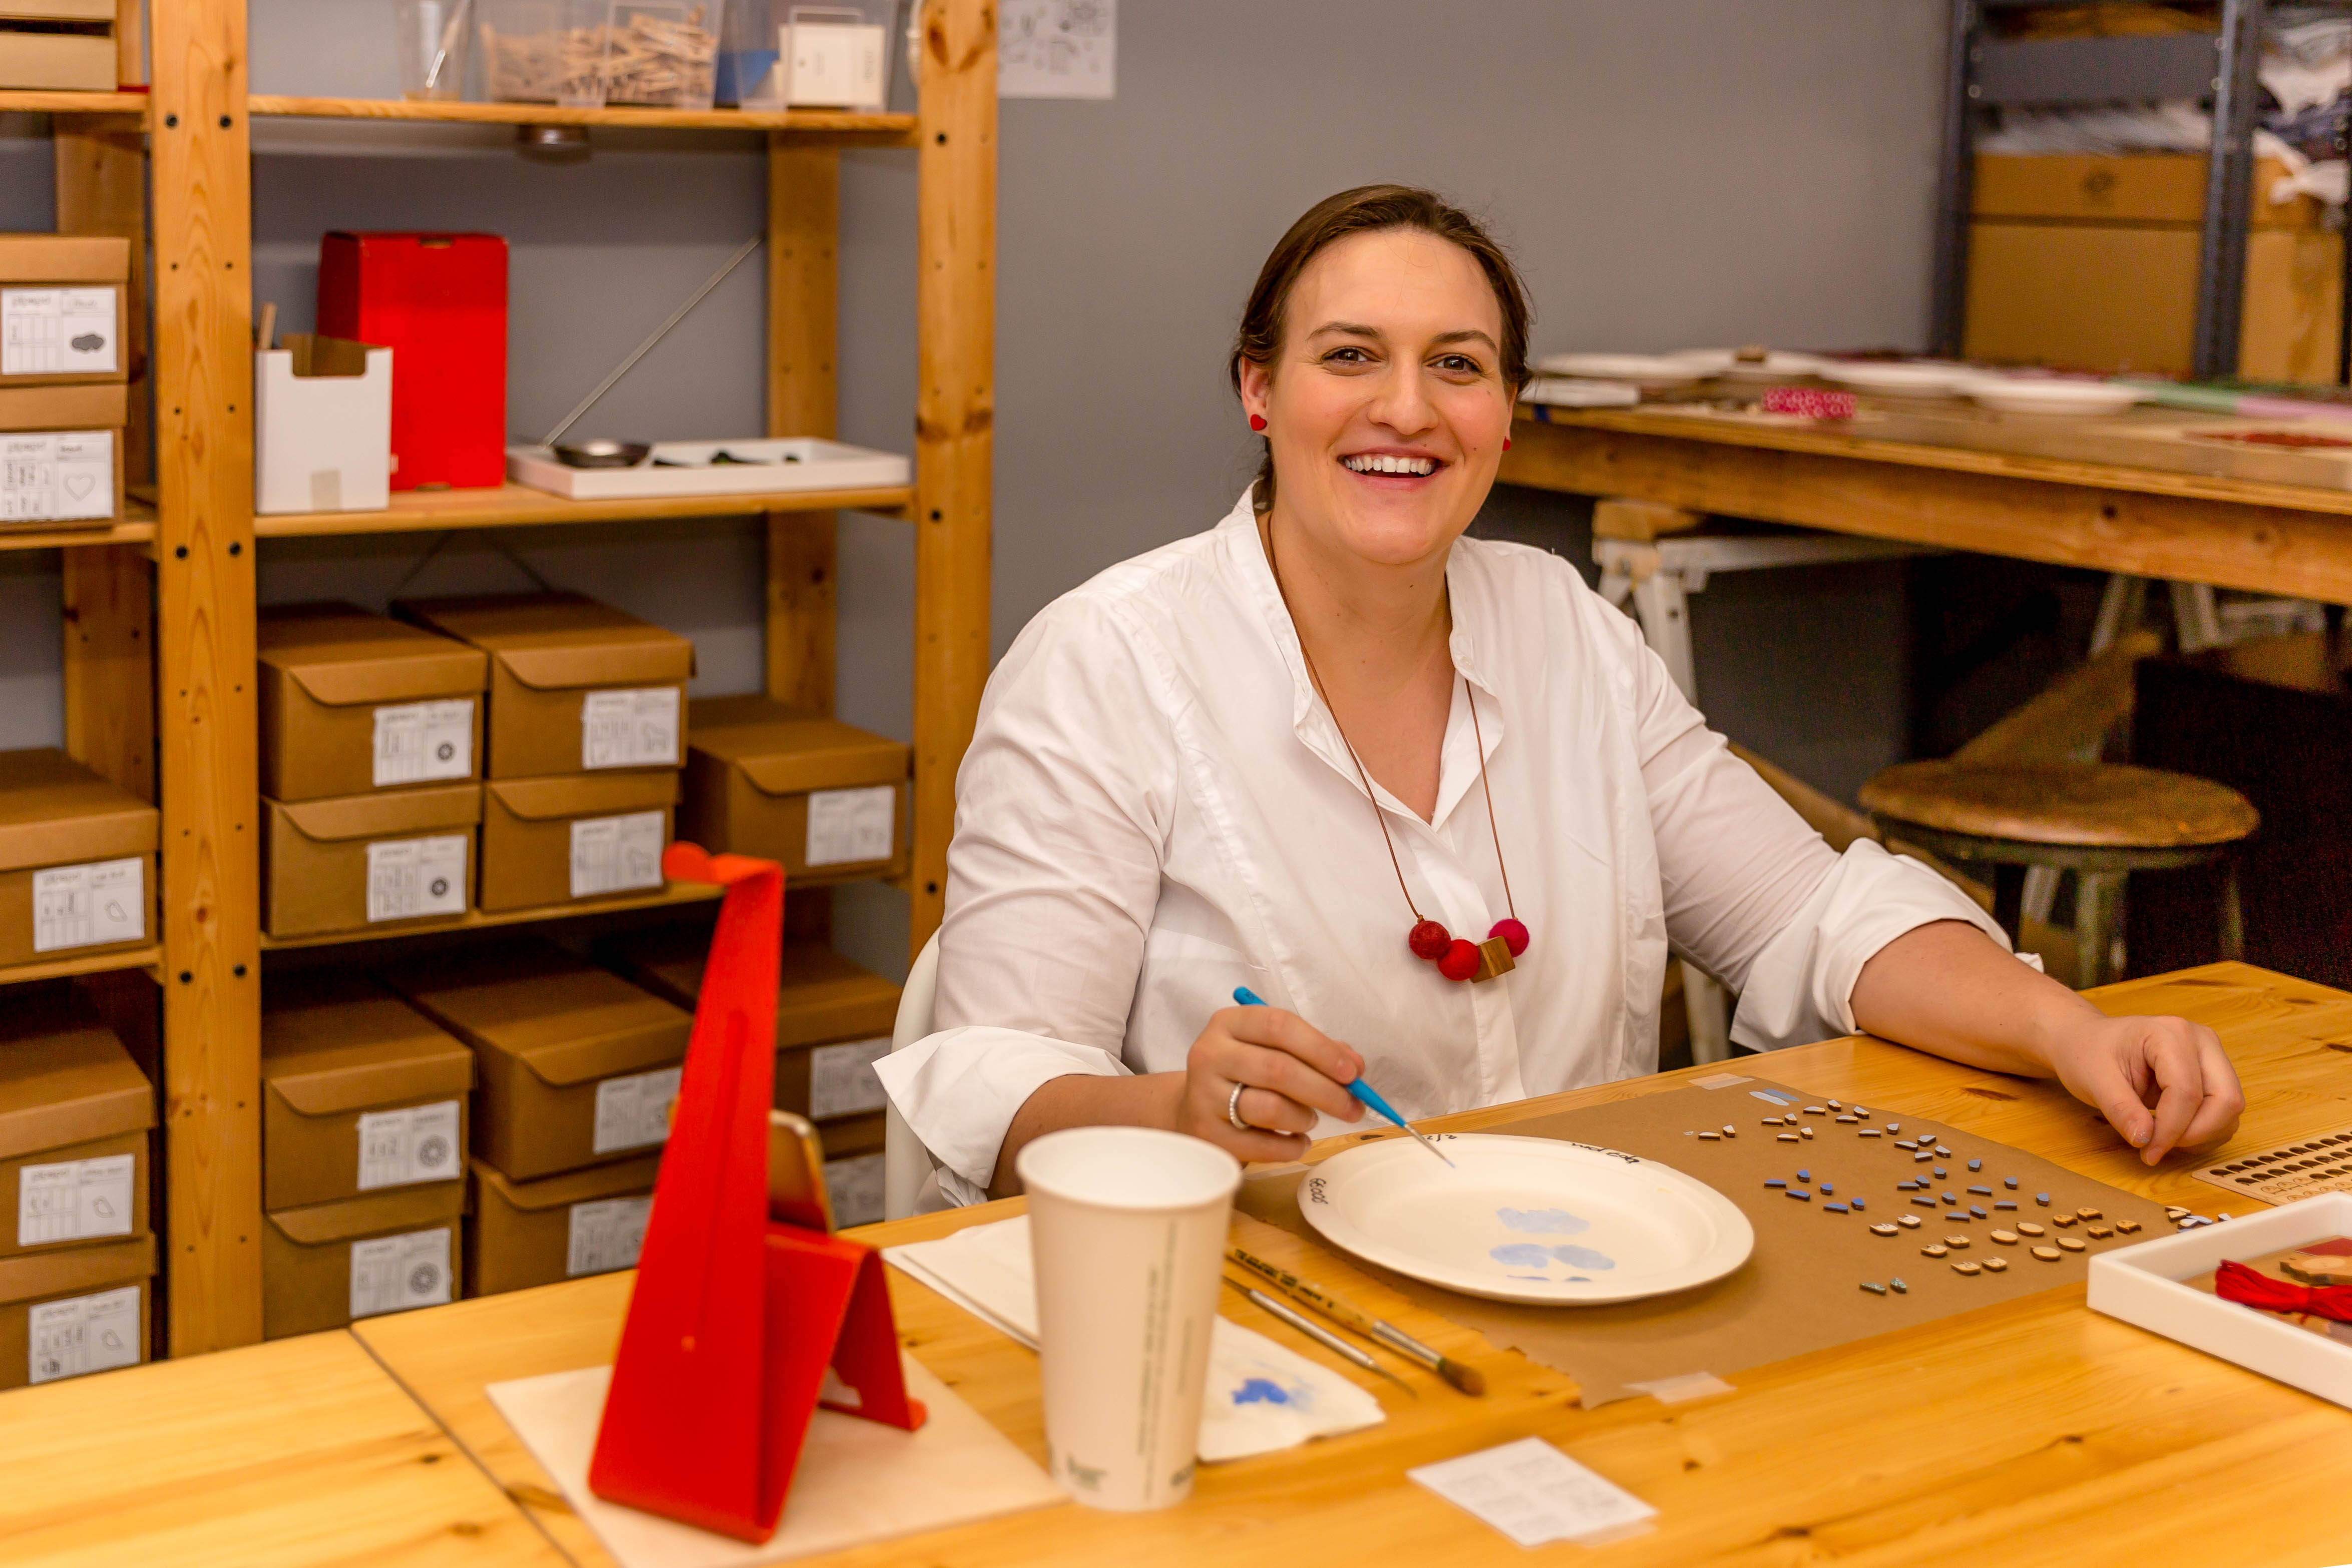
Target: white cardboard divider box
2142	1285
321	426
696	469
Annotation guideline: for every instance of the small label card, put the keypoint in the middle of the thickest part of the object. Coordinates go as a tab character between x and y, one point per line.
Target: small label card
73	1200
632	1112
616	854
629	729
393	1273
58	331
847	826
401	1148
409	878
416	741
83	1334
90	906
1534	1493
62	476
606	1235
842	1080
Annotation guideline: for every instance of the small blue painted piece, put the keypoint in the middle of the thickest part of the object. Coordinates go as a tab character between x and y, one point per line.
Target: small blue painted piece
1804	1175
1800	1193
1899	1287
2010	1181
1894	1126
2004	1204
1834	1208
1874	1287
1924	1203
1938	1170
1923	1154
2042	1198
1976	1164
1776	1182
1827	1189
1981	1191
1858	1204
1905	1143
1950	1199
1975	1212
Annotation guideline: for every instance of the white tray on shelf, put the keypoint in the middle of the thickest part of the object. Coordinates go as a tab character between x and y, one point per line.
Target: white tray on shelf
2142	1285
685	469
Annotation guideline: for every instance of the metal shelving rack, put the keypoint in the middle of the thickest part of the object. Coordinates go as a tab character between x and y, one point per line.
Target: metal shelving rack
160	609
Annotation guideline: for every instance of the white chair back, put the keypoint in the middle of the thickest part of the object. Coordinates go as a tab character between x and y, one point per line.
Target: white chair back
906	1163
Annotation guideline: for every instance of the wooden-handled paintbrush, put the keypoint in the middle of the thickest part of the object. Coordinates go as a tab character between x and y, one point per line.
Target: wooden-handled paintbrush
1469	1379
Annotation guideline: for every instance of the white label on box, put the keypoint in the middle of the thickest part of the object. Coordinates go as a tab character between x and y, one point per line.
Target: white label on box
606	1235
393	1273
835	65
57	476
416	741
847	826
615	854
82	1333
73	1200
842	1080
855	1185
632	1112
399	1148
629	729
90	906
57	332
412	877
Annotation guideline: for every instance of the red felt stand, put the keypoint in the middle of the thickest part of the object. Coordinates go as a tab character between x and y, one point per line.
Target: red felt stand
736	1316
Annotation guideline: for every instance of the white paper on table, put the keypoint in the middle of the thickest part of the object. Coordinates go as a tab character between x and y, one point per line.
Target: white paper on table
1534	1493
856	1481
1262	1396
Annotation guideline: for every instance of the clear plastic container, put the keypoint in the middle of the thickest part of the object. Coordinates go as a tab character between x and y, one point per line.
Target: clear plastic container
779	53
545	51
662	54
434	39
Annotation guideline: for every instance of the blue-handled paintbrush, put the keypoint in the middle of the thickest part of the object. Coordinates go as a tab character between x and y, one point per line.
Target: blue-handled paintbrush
1359	1088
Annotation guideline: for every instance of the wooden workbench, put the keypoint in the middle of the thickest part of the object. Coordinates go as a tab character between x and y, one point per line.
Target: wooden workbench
2147	492
2032	1432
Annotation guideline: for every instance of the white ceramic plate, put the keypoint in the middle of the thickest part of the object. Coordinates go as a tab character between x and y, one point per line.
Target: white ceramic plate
2030	396
1526	1219
1778	364
1896	379
1643	370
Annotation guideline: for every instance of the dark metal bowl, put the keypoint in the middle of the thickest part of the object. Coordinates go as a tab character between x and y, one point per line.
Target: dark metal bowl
602	454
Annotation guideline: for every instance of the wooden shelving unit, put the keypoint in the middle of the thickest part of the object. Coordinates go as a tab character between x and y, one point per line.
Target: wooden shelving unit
149	957
676	895
159	610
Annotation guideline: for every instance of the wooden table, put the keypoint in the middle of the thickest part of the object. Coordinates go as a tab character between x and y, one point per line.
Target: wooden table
2137	493
2034	1432
304	1451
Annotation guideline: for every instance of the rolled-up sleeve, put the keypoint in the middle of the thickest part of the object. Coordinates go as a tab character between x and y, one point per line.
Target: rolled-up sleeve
1062	809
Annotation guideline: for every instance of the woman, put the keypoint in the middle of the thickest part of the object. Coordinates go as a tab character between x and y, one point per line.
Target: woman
1334	753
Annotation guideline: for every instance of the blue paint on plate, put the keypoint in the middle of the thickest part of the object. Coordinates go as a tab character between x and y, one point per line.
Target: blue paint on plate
1542	1222
1584	1258
1520	1254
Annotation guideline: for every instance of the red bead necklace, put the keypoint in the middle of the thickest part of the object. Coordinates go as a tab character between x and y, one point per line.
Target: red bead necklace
1457	958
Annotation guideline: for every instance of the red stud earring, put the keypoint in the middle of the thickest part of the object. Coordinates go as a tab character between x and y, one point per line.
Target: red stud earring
1507	443
1257	421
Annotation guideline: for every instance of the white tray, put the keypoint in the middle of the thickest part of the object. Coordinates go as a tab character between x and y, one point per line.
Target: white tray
793	463
2142	1285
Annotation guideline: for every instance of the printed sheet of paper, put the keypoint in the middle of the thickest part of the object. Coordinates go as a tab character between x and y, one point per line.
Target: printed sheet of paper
414	1143
847	826
90	906
417	742
74	1200
633	1111
393	1273
616	854
634	729
842	1080
57	476
58	329
408	878
1056	49
1534	1493
605	1235
82	1333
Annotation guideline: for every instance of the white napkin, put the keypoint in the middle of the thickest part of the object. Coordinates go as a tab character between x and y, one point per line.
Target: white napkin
1261	1397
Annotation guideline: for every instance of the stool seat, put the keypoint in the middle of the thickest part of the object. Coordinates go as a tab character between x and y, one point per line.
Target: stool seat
2087	806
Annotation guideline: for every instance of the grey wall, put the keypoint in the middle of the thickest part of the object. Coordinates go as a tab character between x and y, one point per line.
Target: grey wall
1669	173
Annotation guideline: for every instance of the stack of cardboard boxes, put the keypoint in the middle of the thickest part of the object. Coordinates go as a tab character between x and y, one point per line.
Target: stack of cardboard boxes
64	370
76	861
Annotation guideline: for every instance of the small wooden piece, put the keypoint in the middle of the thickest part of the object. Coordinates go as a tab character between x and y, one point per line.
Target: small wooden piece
1934	1249
1882	1228
1787	1138
1996	1265
2061	1220
2005	1238
1956	1242
1807	1132
2047	1254
2072	1243
2077	804
2128	1226
1873	1288
1967	1267
1712	1137
2027	1227
2098	1232
1908	1221
2086	1214
1494	959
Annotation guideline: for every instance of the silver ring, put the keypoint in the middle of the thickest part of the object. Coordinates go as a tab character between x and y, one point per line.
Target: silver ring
1233	1111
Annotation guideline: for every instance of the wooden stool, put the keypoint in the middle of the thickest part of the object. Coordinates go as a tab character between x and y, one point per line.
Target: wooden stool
2100	820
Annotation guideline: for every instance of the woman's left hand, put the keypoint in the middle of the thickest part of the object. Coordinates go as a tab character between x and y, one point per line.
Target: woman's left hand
2164	1083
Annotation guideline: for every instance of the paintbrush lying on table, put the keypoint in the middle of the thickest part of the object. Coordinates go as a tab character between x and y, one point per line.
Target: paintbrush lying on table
1469	1379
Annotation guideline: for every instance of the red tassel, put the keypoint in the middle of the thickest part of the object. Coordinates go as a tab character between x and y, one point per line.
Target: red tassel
2236	1283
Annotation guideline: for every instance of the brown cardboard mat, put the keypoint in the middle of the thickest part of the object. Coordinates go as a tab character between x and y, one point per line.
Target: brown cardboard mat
1801	1289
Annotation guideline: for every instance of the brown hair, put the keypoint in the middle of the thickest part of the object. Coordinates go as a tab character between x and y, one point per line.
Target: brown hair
1364	210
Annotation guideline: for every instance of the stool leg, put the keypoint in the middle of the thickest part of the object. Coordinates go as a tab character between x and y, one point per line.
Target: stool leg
2041	893
2234	919
2098	899
2008	899
1709	1012
1664	612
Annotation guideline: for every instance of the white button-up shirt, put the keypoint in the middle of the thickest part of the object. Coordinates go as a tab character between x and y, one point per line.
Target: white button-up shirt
1157	807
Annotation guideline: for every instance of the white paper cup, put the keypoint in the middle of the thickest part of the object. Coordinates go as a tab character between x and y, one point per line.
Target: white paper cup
1126	1228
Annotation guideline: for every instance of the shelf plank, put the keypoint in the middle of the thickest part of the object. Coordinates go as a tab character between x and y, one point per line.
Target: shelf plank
133	529
508	506
149	958
886	130
675	893
25	101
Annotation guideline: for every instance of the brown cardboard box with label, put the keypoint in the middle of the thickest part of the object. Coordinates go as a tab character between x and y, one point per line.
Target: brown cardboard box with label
76	861
352	702
575	686
83	1310
74	1114
63	308
825	799
574	839
365	862
63	450
326	1265
359	1092
574	1065
53	44
556	1228
833	1017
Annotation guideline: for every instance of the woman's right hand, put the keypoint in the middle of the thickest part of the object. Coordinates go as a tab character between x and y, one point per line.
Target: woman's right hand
1290	1072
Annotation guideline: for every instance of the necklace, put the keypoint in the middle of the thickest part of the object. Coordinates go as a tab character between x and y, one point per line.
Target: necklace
1457	958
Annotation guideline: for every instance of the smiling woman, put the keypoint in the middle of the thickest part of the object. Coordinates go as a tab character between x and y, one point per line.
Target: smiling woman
1428	791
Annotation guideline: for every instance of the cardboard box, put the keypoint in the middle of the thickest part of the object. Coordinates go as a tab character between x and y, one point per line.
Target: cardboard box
352	702
328	1265
77	859
826	799
62	453
64	310
398	858
439	302
321	426
558	1227
74	1114
359	1092
82	1309
574	839
575	686
833	1017
574	1064
74	59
